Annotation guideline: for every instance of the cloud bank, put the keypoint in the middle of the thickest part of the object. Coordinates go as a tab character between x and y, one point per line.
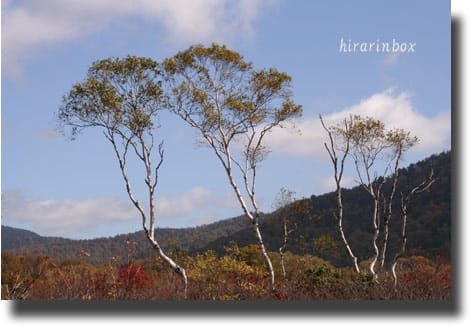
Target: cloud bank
30	25
396	110
67	218
64	217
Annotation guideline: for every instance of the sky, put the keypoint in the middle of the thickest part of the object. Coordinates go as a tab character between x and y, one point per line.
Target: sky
74	189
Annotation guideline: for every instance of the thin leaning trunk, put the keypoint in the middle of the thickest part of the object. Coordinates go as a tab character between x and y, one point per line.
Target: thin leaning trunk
266	257
341	231
255	224
251	194
151	182
226	159
175	267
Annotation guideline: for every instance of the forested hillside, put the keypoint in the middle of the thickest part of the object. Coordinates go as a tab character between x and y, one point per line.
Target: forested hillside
313	231
13	238
102	249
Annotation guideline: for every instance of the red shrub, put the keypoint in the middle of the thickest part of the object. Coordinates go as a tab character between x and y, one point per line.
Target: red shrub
131	276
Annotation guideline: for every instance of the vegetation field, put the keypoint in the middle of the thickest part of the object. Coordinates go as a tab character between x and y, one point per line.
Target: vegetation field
237	275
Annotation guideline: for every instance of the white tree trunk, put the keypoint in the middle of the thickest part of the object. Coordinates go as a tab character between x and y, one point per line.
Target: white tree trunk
266	257
282	248
253	217
177	268
254	221
151	182
338	174
340	228
374	239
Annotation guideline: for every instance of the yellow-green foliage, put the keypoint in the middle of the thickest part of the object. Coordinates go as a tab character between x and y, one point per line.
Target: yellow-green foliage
227	277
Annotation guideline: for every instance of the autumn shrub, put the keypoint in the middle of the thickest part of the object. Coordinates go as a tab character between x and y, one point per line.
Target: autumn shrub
105	286
225	278
20	274
134	282
66	281
421	279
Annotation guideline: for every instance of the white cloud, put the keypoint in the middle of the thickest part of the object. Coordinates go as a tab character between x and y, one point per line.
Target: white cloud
69	217
29	25
196	200
396	110
184	204
64	217
328	184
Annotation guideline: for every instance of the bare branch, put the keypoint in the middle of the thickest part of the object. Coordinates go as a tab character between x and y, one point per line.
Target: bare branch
160	162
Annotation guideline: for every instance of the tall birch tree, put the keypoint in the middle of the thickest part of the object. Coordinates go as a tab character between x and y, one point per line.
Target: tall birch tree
123	98
376	153
233	107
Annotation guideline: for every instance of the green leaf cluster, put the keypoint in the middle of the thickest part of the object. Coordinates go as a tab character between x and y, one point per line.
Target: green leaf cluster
122	95
217	91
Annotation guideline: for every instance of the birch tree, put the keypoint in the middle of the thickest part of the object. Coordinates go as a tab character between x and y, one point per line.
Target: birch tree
368	146
123	98
233	107
376	153
340	141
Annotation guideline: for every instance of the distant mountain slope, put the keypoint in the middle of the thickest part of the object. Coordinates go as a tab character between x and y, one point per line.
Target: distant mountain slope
13	238
429	221
102	249
428	227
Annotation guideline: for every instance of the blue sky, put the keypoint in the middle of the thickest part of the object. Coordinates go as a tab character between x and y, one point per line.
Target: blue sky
74	189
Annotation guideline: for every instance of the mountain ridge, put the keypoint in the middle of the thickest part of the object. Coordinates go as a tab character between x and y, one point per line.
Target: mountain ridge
429	227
